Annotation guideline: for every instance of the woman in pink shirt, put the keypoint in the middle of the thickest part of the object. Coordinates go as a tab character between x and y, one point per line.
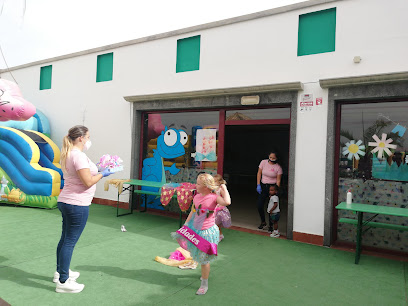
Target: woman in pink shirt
201	222
269	172
80	175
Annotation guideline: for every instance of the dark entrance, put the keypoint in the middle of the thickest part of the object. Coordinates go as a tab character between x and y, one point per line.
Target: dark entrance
245	147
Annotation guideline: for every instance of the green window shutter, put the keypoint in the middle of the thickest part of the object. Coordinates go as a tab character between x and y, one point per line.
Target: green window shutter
104	67
188	54
317	32
45	77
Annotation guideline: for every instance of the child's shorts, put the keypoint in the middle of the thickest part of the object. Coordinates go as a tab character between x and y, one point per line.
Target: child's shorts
274	217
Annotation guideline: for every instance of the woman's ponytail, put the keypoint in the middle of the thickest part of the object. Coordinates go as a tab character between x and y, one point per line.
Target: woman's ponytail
66	148
68	142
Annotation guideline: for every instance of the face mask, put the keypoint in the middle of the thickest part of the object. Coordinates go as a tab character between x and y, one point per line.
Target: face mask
87	145
273	161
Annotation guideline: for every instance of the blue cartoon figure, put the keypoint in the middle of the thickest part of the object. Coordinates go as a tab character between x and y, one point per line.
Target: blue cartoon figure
170	144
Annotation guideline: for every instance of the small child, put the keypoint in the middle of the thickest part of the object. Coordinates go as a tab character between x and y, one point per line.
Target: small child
273	211
222	215
203	225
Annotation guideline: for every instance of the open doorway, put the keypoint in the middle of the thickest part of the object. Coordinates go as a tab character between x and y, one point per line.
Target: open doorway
245	147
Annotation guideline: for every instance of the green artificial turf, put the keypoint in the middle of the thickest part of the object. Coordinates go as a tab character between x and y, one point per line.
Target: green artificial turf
118	268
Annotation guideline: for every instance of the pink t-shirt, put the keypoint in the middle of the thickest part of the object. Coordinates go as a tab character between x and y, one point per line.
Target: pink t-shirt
269	172
207	202
74	191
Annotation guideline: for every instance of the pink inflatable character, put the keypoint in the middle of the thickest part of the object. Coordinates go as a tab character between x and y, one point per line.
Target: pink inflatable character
12	104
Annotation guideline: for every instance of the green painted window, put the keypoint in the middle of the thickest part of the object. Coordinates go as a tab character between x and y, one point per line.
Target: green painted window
45	77
317	32
188	54
104	67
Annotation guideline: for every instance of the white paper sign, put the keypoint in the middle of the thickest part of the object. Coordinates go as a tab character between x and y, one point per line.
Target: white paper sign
206	142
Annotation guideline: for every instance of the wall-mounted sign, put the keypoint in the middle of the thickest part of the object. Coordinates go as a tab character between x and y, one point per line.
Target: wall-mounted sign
306	102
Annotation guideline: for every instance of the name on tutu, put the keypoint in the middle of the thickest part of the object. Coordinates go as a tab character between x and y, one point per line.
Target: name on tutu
190	236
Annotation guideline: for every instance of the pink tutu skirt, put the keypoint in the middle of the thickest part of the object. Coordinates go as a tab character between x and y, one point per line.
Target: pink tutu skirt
223	217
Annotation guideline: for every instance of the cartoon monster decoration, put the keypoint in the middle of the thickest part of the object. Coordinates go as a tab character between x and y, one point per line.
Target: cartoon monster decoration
169	145
12	104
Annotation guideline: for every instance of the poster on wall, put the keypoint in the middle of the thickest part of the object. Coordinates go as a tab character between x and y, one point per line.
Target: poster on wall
206	145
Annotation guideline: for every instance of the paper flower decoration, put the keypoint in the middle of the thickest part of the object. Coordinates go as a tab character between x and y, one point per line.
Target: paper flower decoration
354	149
382	145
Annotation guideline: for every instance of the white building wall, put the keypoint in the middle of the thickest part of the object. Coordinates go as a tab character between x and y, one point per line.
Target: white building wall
310	167
256	52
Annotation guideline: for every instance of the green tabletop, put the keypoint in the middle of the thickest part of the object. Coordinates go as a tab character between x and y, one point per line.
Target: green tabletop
375	209
145	183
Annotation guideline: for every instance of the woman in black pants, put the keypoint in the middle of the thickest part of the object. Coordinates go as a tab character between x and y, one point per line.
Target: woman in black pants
269	172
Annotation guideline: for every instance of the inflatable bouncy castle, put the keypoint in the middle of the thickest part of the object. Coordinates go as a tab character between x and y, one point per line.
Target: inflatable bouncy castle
30	173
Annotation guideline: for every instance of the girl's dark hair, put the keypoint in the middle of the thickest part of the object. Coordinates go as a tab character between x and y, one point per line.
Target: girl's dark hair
275	186
273	152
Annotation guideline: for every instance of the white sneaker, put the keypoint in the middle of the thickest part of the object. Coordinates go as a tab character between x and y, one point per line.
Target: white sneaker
275	234
70	286
72	275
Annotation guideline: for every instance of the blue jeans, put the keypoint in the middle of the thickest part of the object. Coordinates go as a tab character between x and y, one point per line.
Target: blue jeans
74	219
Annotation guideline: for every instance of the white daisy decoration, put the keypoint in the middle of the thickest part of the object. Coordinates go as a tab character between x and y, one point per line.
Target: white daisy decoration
382	145
354	149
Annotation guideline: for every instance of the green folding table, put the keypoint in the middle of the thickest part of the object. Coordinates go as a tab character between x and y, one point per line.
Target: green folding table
360	209
142	183
138	183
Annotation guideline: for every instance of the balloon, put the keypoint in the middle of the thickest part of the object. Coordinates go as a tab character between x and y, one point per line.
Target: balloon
12	104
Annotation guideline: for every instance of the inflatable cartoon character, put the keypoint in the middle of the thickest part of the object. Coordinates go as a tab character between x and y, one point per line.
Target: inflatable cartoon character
169	145
12	104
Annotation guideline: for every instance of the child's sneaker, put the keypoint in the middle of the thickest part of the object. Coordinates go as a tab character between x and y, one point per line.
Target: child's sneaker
275	234
70	286
72	274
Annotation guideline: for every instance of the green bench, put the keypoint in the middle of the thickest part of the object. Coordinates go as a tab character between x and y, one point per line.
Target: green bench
375	224
146	193
133	185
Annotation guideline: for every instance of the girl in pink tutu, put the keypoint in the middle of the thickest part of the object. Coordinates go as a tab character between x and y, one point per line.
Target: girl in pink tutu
200	234
222	213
